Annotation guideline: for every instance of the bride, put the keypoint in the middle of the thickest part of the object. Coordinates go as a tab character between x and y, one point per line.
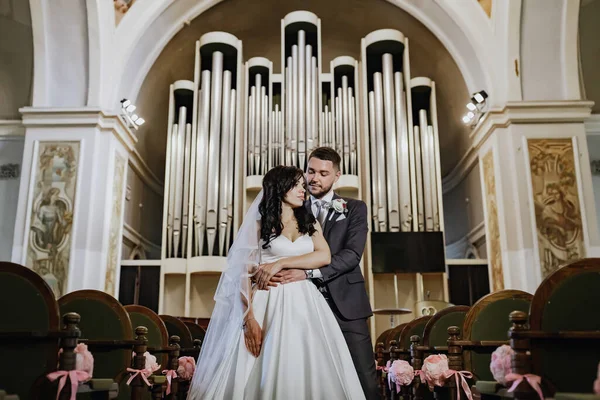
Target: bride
281	343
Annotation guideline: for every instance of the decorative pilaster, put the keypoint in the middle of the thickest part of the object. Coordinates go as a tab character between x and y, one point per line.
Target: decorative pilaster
537	190
70	215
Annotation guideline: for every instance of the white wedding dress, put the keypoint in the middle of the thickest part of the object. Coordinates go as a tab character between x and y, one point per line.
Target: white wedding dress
303	356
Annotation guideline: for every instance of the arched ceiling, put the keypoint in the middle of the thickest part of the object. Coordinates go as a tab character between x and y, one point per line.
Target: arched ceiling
343	23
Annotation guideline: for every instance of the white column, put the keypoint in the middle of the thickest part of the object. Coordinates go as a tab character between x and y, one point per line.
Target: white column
70	215
541	211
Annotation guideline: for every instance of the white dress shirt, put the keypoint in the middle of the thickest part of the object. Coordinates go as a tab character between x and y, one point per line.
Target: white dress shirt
315	210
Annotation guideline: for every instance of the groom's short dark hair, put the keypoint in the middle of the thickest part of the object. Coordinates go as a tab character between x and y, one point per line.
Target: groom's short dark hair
327	154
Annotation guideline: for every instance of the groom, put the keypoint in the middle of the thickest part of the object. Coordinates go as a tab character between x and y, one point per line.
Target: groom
344	223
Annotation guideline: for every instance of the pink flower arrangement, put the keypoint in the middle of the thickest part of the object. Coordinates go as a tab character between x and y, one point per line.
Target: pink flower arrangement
187	366
435	368
401	372
84	359
151	365
500	364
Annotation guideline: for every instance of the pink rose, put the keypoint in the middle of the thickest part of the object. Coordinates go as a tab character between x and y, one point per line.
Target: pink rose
187	366
435	367
597	383
84	359
500	365
401	372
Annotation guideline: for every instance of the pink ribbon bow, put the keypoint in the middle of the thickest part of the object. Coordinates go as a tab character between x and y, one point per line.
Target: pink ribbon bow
141	372
463	382
75	376
384	369
533	380
171	374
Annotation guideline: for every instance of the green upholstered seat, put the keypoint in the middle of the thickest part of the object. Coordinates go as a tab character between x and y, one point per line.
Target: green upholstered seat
177	327
102	318
436	330
415	327
28	304
488	320
158	336
196	330
568	300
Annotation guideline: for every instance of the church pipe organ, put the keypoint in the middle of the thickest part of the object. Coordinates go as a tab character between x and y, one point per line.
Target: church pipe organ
401	126
237	119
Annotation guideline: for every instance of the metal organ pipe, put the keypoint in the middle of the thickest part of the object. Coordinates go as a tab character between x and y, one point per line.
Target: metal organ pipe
213	149
345	124
403	155
352	132
428	214
419	177
257	123
309	101
179	180
224	162
391	143
374	163
173	186
381	173
295	104
433	179
202	161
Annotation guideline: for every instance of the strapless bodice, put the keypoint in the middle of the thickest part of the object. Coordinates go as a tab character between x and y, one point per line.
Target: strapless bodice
282	247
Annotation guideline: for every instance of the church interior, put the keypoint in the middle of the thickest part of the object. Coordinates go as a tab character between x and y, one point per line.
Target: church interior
134	136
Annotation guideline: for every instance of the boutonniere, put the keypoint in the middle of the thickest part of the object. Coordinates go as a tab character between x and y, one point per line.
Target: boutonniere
340	206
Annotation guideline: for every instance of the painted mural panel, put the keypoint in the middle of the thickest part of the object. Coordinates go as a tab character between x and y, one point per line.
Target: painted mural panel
115	226
491	202
556	200
50	235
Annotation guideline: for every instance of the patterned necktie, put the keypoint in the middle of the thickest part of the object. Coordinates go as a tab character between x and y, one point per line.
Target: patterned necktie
322	209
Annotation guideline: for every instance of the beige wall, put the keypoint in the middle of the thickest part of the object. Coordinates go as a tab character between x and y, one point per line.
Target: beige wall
16	57
462	216
589	41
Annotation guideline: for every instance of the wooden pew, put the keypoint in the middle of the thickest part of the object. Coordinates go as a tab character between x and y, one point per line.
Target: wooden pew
485	328
31	337
434	341
107	330
562	342
188	346
159	345
30	329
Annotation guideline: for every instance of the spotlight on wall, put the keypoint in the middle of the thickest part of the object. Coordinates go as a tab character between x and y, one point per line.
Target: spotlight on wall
476	108
132	120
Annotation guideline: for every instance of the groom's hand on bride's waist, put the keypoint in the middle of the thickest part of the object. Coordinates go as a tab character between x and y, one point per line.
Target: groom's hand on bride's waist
288	276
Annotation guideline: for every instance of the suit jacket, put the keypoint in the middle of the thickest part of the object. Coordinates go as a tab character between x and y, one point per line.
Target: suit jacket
342	277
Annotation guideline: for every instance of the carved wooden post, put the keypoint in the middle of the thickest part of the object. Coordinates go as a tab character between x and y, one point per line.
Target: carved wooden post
521	360
174	364
138	386
390	393
68	358
380	363
417	363
455	360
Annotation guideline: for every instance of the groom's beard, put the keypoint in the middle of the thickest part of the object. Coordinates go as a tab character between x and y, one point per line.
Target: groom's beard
319	191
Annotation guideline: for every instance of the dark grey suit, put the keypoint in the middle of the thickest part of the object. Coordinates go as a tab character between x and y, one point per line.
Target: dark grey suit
343	285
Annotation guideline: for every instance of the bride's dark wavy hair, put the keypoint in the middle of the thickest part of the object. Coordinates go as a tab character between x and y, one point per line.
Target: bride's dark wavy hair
276	183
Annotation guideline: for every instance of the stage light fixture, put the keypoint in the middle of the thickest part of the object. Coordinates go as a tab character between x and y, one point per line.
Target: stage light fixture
132	120
476	108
